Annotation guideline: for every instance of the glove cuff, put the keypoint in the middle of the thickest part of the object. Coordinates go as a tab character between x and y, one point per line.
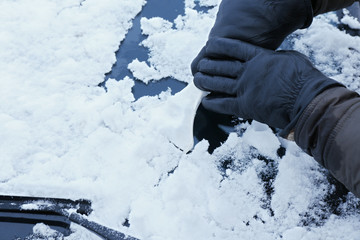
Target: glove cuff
309	91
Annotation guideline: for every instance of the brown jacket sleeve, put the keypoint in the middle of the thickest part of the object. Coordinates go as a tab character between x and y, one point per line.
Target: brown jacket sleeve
323	6
329	130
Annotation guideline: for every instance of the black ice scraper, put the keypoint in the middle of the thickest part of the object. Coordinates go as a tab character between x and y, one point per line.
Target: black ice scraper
54	211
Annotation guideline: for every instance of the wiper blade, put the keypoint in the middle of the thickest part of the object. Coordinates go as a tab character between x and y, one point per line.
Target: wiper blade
63	210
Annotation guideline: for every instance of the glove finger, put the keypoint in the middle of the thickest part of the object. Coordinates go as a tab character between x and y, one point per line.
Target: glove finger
231	48
194	63
220	67
217	84
223	105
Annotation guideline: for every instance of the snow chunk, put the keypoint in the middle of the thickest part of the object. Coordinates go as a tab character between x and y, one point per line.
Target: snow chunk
141	70
42	231
155	24
262	138
351	21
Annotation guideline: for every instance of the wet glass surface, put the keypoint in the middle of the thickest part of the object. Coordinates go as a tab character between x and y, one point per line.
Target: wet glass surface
130	49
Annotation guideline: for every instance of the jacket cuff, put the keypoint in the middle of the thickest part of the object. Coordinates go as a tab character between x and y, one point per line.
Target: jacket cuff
316	126
308	92
328	130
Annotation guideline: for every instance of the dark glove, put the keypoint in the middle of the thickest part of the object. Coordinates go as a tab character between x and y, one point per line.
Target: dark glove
272	87
323	6
265	23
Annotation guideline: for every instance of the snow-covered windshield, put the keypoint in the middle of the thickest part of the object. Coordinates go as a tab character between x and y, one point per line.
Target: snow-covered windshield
67	133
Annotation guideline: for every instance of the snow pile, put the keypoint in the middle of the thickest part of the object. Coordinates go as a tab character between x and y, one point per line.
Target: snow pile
349	20
63	136
42	231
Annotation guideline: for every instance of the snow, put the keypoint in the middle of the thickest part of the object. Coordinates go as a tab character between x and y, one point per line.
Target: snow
351	21
42	231
334	53
38	205
180	110
172	45
63	136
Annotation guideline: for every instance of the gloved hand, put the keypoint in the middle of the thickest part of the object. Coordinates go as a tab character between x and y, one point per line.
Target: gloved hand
266	23
272	87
